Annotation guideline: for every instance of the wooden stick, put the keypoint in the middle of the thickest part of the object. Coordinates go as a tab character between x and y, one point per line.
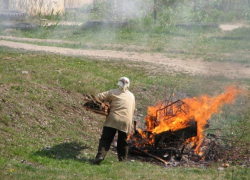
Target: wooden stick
150	155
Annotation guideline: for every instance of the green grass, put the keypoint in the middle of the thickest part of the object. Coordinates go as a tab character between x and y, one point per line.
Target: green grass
210	44
71	169
46	134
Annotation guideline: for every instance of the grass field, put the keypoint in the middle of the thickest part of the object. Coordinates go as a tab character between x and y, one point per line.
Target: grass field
46	134
210	44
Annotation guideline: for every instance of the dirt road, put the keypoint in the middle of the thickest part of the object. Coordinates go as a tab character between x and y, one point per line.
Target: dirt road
153	60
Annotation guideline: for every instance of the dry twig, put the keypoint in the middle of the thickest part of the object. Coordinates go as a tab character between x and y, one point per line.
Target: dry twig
95	105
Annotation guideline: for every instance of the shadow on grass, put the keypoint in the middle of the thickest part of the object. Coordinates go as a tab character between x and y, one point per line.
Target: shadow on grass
68	150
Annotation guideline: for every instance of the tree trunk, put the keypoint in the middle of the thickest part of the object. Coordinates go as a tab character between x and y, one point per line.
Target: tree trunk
155	10
94	5
195	5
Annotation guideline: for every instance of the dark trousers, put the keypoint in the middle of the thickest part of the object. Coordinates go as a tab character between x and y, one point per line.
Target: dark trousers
107	137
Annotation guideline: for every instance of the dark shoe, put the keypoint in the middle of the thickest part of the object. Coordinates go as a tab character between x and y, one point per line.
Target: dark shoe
122	159
97	161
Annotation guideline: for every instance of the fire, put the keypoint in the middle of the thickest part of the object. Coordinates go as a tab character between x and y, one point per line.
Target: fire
199	109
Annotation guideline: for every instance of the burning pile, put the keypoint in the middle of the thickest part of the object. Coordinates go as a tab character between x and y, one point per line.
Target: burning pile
172	126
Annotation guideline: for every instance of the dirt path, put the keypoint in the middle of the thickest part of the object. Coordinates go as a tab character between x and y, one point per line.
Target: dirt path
230	27
154	60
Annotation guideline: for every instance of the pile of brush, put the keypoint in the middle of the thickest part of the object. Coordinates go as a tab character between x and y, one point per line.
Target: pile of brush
93	104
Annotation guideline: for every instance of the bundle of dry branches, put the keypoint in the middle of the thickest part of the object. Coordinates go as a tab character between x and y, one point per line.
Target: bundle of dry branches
95	105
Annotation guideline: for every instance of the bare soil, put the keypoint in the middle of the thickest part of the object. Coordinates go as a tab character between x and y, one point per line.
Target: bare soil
230	27
148	60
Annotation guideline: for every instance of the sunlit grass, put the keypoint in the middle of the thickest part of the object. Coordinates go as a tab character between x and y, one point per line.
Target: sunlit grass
209	44
46	134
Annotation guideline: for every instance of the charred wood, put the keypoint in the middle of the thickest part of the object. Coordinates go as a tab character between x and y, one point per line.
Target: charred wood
143	153
176	138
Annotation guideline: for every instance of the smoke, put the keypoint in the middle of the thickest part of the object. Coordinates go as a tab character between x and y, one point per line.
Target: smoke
141	14
39	6
119	9
127	9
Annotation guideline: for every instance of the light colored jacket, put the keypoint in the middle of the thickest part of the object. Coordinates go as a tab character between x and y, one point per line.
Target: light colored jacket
122	106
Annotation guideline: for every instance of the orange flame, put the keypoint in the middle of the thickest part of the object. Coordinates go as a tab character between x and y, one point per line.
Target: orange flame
200	109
